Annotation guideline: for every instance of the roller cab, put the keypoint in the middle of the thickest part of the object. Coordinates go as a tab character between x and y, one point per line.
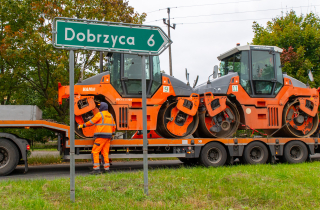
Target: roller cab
266	98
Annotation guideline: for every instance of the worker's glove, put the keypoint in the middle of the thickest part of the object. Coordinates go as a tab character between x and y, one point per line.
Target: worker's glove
80	126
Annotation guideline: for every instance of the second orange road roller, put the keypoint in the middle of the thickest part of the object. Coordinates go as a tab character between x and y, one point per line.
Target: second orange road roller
253	92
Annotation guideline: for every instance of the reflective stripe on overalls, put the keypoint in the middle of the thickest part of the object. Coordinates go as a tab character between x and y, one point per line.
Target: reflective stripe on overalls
104	124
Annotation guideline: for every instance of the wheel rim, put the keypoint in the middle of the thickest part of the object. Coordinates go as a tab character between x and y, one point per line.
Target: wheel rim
214	155
256	154
296	152
4	157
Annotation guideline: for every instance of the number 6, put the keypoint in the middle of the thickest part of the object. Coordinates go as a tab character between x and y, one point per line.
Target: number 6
151	42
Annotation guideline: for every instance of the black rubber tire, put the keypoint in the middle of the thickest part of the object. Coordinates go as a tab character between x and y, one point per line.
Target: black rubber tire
189	161
288	157
254	149
12	154
216	149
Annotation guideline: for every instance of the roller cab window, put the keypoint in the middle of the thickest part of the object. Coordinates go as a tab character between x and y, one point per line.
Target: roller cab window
133	75
266	72
126	74
239	63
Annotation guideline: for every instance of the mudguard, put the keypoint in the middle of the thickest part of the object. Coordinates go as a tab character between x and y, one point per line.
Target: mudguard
220	101
189	105
303	105
87	103
173	127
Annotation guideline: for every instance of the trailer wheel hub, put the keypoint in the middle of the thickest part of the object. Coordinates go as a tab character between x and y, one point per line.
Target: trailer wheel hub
214	155
296	152
4	157
256	154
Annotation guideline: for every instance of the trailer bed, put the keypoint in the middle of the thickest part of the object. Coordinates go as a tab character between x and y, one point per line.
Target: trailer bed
208	151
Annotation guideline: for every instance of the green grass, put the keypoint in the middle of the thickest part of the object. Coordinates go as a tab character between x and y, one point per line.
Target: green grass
44	146
278	186
37	149
48	159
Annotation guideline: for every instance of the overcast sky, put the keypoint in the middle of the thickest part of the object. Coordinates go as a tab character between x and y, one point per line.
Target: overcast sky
196	45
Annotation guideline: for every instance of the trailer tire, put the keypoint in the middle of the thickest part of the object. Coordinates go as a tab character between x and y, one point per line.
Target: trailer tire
255	153
213	154
9	157
295	152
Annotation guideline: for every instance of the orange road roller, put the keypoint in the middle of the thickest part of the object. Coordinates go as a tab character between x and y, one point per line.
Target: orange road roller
252	92
172	105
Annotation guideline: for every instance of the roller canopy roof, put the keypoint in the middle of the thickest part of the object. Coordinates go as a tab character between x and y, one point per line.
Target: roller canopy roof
248	47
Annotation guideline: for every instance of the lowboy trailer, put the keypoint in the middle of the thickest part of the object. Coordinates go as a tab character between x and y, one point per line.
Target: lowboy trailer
205	151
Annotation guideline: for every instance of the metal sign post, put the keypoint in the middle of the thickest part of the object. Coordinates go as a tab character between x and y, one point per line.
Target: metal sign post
144	121
71	104
144	40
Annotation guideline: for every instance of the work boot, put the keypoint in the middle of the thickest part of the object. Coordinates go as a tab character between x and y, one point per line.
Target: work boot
95	172
106	171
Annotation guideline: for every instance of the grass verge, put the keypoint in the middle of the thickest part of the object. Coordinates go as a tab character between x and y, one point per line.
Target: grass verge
44	146
278	186
48	159
36	149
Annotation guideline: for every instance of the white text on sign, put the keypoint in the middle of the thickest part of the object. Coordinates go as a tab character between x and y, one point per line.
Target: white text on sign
99	38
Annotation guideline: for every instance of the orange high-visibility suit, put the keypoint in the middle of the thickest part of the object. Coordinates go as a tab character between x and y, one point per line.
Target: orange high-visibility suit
105	127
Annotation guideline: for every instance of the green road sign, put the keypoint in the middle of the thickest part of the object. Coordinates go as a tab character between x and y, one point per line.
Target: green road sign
109	36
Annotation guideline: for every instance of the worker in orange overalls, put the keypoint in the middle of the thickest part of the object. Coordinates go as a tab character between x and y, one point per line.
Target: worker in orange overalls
105	127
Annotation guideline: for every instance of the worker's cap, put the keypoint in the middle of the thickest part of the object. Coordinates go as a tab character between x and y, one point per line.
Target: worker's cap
103	106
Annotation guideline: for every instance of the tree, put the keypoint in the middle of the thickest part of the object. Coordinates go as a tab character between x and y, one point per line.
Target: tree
30	68
299	36
27	57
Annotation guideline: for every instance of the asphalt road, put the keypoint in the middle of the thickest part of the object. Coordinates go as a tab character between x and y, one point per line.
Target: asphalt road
82	169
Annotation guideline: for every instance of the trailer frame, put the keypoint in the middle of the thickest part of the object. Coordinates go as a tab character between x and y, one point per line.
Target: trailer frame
186	149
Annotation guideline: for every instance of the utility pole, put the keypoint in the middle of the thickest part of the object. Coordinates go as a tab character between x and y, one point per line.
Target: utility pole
169	26
101	62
